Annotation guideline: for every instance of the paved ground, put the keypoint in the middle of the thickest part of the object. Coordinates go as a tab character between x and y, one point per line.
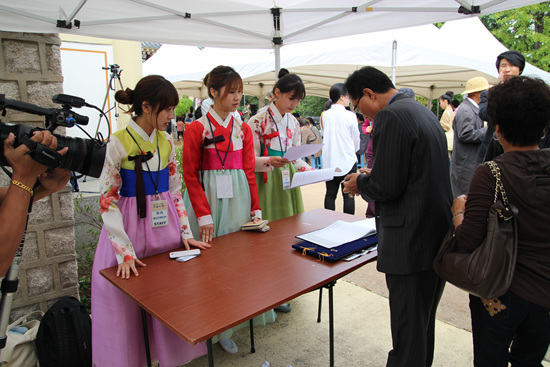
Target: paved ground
362	335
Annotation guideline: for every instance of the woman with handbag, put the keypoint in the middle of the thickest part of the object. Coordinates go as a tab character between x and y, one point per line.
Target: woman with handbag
514	327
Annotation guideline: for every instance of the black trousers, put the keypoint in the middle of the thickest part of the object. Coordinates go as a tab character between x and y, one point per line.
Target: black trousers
518	332
413	303
332	191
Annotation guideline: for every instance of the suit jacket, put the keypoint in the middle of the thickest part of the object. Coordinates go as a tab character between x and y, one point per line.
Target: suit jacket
410	184
468	134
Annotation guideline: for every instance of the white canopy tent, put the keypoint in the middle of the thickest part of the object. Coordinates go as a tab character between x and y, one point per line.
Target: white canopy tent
426	60
234	23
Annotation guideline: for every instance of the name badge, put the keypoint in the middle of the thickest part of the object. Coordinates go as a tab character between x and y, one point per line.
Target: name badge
159	213
224	186
286	179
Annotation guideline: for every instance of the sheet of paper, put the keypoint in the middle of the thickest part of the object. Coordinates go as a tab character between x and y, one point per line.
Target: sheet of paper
311	177
301	151
340	232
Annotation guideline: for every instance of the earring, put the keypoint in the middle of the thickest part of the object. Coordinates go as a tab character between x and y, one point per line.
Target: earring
495	136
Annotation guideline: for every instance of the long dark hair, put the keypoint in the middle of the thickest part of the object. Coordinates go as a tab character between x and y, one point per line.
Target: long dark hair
336	91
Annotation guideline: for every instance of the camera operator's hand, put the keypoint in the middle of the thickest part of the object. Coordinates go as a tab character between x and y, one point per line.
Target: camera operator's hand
51	181
25	169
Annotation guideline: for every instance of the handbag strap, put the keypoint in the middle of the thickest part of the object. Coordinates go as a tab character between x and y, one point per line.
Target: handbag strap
25	318
500	188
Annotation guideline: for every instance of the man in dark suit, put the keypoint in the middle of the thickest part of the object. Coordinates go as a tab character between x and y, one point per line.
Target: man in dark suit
410	183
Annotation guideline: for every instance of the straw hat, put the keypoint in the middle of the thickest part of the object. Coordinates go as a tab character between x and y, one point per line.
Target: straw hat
476	84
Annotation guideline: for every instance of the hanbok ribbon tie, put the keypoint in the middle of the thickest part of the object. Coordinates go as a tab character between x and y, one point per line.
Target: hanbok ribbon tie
140	183
267	137
216	139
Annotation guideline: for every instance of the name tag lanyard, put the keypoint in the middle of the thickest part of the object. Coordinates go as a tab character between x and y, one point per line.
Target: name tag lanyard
277	128
285	173
228	144
156	185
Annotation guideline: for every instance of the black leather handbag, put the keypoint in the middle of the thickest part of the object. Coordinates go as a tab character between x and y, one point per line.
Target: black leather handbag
486	272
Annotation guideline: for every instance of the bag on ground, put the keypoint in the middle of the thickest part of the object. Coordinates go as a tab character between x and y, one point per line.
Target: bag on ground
65	335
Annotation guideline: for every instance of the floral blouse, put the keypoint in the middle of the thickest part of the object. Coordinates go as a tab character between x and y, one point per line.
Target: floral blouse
119	149
265	127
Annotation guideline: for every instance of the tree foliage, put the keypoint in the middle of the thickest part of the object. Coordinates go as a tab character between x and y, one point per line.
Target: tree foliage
311	106
183	106
526	30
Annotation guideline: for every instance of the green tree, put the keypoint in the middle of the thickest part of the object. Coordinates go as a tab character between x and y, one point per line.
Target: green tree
183	106
311	106
526	30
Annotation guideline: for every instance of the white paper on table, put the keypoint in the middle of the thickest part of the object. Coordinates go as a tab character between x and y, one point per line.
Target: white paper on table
340	232
301	151
314	176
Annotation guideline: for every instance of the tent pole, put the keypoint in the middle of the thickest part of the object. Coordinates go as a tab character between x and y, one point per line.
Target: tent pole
277	60
277	40
393	62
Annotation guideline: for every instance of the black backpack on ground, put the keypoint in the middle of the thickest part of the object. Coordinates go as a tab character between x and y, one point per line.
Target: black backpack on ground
64	337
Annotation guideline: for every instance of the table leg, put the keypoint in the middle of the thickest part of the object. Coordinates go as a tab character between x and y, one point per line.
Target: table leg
146	336
320	303
330	287
252	347
210	353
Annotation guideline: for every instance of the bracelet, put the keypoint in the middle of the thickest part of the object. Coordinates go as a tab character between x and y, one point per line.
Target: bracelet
23	186
457	214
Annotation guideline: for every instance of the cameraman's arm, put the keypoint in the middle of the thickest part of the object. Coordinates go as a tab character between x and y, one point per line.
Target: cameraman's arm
16	197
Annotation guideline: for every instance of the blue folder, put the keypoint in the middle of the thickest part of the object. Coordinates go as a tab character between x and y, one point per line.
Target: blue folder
336	253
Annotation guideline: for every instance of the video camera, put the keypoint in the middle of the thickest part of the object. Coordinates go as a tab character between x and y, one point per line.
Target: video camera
85	156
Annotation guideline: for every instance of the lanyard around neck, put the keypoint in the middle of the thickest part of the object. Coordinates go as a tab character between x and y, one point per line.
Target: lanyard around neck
156	185
277	128
228	143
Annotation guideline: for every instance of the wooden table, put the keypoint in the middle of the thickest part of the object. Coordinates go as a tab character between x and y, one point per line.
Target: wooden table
243	275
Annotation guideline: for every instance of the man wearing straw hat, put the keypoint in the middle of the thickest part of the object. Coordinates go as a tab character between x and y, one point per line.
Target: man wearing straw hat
468	133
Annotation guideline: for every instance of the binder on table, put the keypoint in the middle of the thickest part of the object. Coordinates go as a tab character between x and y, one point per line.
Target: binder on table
338	240
339	252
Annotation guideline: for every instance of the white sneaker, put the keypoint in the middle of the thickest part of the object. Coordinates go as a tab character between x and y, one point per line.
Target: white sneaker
229	346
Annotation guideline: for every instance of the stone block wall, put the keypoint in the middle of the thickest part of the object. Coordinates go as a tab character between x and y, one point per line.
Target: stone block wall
30	71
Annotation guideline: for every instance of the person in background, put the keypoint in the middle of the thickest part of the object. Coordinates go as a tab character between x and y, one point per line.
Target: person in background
15	198
140	170
190	114
317	133
515	327
410	183
218	156
246	113
341	141
308	136
364	139
454	104
509	64
180	127
468	132
447	118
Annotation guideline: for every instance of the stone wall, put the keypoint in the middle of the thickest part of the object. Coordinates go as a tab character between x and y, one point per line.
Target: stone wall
30	71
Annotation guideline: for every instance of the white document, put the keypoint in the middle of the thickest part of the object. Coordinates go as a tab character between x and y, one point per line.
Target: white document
311	177
301	151
340	232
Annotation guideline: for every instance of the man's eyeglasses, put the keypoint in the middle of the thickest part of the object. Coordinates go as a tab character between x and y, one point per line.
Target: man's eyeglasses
356	107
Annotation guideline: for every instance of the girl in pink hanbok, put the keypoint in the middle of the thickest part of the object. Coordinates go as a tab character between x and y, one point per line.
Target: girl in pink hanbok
140	183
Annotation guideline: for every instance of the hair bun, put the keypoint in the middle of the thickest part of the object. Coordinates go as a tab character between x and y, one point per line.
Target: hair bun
125	96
